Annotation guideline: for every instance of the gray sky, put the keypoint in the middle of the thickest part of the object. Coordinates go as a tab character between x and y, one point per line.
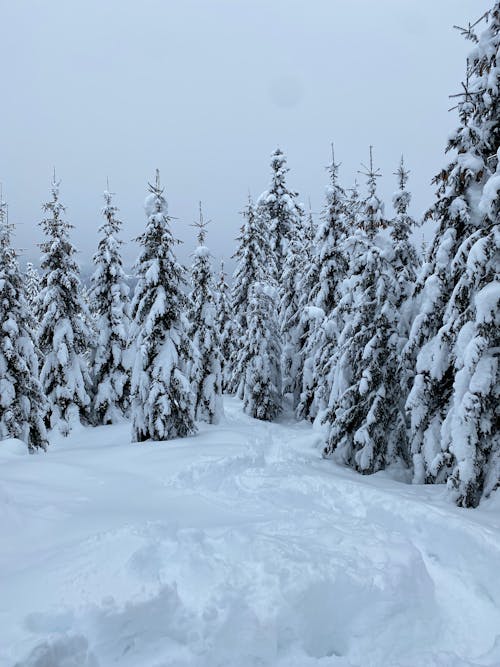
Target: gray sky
205	90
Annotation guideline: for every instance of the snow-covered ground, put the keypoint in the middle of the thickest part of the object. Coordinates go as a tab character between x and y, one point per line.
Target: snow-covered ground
237	547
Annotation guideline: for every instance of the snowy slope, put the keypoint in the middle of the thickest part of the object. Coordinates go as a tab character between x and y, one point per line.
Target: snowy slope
238	547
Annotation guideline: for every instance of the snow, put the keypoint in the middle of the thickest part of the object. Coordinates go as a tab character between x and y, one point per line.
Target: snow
240	547
487	301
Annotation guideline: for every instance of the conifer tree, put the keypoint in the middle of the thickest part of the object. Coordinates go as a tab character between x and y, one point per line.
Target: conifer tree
471	428
319	291
206	371
472	320
162	402
405	256
434	347
22	403
262	382
405	263
371	211
225	327
310	230
279	211
31	285
353	206
254	263
366	414
63	336
290	310
308	318
109	294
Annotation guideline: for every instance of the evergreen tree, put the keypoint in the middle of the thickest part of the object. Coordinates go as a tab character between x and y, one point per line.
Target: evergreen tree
31	285
371	211
206	371
471	429
289	313
405	255
434	345
225	327
162	401
63	335
405	264
319	291
109	294
472	320
310	231
308	318
22	403
254	263
366	414
353	206
262	383
279	211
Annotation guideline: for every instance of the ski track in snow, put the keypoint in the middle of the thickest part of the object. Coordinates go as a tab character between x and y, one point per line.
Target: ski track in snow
238	547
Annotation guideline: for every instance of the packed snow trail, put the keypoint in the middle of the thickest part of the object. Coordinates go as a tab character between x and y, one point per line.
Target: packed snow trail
237	547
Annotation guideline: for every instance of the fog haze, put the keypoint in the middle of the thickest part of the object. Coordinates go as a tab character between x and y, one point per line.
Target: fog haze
205	90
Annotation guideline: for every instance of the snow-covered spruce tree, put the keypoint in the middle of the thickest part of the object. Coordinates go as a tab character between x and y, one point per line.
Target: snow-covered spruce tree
109	294
371	211
63	336
354	205
205	370
366	414
433	348
282	217
162	405
254	263
472	321
289	310
22	403
279	211
225	327
310	230
405	264
262	384
31	285
405	256
319	296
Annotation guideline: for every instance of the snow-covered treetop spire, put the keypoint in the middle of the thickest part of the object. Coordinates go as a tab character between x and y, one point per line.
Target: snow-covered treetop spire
112	224
371	174
333	168
404	258
278	166
335	195
402	174
201	224
484	71
372	214
468	32
160	203
401	198
222	275
55	209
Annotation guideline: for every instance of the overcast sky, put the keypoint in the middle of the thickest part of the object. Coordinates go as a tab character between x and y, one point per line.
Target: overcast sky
205	90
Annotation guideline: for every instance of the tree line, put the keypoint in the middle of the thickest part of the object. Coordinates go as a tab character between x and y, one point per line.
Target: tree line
341	321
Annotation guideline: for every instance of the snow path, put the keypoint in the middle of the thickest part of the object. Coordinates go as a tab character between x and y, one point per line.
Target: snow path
237	547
